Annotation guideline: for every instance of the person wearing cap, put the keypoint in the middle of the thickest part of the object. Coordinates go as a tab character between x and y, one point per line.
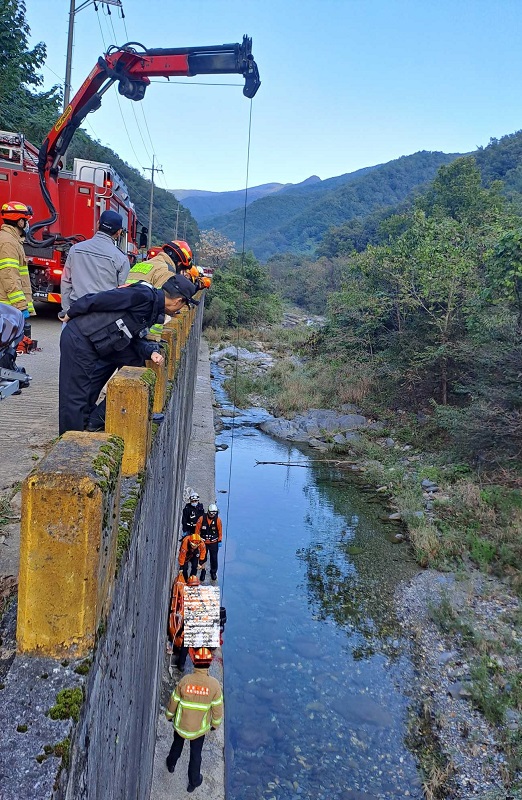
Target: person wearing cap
95	265
191	513
106	331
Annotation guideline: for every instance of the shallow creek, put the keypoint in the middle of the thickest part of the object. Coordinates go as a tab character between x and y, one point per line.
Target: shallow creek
317	670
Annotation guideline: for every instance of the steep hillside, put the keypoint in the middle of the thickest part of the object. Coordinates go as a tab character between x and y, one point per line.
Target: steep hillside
501	160
297	219
203	204
165	203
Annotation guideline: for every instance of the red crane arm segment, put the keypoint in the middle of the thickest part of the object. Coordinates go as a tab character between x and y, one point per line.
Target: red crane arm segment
132	66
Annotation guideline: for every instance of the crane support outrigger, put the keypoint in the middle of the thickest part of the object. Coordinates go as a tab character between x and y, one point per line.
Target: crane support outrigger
131	66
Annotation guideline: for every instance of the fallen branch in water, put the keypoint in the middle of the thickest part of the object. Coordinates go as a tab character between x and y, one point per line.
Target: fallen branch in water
333	461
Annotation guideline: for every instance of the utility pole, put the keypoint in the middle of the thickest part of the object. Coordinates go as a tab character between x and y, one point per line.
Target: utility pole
73	10
177	220
185	229
152	170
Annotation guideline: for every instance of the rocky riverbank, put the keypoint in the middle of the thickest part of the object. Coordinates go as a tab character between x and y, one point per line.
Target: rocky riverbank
464	624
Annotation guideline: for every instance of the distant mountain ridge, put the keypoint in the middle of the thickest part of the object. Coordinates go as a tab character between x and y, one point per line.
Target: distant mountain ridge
203	204
296	219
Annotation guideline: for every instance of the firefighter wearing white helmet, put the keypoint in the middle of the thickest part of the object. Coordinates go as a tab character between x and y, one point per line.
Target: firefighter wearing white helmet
191	513
15	286
211	531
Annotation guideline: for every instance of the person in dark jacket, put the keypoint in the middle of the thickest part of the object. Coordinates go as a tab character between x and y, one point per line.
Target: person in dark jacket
191	513
106	331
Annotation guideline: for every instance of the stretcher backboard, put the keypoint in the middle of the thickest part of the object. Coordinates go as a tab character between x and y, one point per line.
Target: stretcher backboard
201	616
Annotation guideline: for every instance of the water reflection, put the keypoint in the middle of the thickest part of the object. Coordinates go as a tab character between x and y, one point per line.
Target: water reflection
316	676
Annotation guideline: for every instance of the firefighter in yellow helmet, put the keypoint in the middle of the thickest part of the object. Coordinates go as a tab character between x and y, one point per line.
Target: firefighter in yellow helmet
174	257
15	286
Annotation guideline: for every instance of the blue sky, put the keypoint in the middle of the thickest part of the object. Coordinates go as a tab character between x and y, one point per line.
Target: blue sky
345	83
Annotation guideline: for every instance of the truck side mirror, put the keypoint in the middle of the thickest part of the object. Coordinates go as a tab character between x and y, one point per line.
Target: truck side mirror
144	238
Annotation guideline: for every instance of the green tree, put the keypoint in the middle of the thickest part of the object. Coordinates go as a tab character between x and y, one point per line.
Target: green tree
21	109
506	270
241	294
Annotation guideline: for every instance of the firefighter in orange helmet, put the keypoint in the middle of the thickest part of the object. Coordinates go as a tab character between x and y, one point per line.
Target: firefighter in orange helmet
195	707
193	551
15	286
174	257
180	252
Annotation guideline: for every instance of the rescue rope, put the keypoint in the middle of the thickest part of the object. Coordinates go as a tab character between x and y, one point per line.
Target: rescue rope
241	270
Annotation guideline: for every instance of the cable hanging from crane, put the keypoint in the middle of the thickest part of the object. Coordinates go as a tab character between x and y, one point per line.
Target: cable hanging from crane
241	269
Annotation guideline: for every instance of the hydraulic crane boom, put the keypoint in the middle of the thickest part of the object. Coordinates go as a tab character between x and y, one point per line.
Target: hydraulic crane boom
132	66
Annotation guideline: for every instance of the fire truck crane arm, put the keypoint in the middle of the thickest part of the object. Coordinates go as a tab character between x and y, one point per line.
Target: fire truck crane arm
132	66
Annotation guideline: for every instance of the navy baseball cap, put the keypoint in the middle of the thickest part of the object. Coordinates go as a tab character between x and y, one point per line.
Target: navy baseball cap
110	222
179	286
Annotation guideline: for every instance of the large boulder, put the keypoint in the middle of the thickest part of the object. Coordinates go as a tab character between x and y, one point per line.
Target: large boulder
315	424
241	354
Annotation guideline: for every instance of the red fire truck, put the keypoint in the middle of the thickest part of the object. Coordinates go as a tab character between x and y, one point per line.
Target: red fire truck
83	193
73	200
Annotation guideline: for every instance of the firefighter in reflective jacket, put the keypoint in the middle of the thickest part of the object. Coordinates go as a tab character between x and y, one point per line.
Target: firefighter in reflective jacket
211	531
191	513
156	271
15	286
196	707
194	552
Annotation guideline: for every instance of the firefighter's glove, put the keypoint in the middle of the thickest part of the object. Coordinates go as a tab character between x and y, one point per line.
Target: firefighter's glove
25	313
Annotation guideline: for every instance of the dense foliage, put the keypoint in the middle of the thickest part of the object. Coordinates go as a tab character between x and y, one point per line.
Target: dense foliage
431	319
24	110
241	294
296	219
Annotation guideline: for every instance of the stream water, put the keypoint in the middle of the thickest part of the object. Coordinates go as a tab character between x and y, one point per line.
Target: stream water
316	668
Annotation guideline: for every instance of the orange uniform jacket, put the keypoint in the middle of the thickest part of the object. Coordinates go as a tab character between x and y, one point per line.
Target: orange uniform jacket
187	552
203	527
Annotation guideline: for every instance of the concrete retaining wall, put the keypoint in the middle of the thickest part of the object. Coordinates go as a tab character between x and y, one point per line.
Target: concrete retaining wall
113	746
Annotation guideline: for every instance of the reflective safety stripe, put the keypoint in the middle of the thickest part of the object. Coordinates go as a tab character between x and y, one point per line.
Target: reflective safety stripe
23	270
157	329
217	702
30	307
143	269
9	263
16	297
130	282
169	714
198	706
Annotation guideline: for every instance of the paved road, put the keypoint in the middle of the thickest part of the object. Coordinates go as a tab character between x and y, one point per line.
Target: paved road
28	423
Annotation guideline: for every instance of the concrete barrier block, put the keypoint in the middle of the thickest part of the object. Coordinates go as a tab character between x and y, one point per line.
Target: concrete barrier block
169	336
174	326
160	388
68	545
130	399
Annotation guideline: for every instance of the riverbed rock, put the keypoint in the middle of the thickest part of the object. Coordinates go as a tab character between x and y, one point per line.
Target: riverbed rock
315	423
241	354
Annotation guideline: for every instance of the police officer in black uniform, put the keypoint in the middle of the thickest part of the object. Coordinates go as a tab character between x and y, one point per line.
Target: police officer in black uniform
106	331
191	513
